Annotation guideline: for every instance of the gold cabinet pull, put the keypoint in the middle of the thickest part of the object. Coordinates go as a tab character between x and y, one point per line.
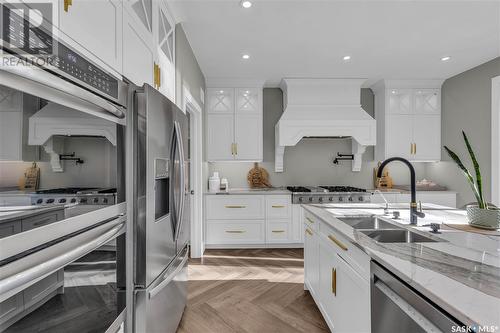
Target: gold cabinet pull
334	281
339	243
415	148
278	231
155	75
278	206
235	206
308	231
411	148
235	149
66	5
310	221
235	231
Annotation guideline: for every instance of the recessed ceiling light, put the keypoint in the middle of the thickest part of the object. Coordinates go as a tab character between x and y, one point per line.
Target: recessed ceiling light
347	58
245	56
246	4
445	58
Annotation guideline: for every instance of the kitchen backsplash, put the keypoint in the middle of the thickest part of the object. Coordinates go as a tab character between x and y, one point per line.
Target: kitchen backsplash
98	154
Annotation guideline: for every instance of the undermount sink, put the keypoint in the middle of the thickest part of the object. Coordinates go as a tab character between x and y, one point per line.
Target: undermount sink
397	236
367	222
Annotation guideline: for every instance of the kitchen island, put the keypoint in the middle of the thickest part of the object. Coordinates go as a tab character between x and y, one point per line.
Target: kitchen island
457	271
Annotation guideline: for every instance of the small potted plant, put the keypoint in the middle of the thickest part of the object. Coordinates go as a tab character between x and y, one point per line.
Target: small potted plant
481	214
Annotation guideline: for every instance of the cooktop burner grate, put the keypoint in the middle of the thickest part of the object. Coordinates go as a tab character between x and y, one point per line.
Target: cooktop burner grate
336	188
298	189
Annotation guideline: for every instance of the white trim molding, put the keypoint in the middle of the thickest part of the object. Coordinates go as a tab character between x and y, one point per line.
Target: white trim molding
495	140
189	104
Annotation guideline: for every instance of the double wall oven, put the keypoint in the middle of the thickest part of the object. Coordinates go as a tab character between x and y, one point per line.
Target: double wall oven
104	242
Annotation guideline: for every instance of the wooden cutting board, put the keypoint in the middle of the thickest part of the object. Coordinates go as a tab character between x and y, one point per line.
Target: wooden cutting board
469	228
31	178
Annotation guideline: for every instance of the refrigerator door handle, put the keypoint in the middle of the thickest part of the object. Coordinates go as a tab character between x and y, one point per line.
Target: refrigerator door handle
169	278
182	183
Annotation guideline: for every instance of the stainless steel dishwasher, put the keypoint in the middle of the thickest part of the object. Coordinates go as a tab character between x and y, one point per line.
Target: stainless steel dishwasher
396	307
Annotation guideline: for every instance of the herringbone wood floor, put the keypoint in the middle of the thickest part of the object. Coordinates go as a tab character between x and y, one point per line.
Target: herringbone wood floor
251	290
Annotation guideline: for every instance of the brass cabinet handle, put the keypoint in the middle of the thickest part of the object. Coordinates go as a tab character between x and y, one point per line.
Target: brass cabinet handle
235	231
233	148
411	148
310	221
278	206
334	281
236	149
235	206
308	231
278	231
66	5
339	243
414	148
155	75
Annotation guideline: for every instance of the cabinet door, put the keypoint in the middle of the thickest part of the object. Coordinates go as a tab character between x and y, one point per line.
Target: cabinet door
399	136
220	100
427	101
328	270
220	137
138	51
248	100
11	307
311	265
351	311
399	101
427	137
97	26
165	34
248	136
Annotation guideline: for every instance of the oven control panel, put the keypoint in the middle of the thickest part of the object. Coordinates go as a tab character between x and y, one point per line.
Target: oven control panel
324	198
99	199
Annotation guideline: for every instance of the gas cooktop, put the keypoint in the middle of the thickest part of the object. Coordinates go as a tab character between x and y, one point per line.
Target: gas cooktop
328	194
80	195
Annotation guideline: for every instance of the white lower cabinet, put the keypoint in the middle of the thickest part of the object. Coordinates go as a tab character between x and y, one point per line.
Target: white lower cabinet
311	262
251	220
337	275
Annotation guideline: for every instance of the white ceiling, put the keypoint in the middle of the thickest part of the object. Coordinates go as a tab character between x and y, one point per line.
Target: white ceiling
308	38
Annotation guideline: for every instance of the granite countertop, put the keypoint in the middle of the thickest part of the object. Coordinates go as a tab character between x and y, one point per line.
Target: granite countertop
460	274
272	190
13	192
10	213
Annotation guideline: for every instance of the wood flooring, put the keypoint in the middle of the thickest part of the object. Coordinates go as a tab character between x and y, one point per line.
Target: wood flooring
251	290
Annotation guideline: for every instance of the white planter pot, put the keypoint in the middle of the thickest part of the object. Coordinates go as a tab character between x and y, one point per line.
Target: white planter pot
484	218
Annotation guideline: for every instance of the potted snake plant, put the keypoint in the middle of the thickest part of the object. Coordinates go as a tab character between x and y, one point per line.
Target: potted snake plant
481	214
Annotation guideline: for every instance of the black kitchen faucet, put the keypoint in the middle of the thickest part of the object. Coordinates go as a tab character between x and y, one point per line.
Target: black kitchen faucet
414	213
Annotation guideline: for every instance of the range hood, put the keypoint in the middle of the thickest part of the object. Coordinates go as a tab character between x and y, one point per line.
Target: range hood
328	108
53	122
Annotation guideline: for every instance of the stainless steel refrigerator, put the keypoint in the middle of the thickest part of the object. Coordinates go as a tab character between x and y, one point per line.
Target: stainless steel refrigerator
161	214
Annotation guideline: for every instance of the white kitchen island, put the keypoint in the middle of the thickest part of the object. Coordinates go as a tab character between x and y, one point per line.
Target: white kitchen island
460	273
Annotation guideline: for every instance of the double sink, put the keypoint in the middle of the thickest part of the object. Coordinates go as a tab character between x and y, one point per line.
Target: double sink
383	231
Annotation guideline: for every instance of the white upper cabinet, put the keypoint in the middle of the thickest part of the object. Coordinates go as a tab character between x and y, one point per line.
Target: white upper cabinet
241	109
408	115
165	41
149	45
220	100
95	25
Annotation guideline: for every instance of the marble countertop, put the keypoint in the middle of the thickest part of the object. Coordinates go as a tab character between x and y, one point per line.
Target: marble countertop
461	274
272	190
12	192
11	213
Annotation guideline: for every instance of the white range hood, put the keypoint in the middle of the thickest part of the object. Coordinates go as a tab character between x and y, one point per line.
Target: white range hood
48	126
323	108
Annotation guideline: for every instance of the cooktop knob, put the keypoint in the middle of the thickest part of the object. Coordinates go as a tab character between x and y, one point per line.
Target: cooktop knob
320	199
105	200
39	201
361	199
83	200
62	200
310	199
96	200
330	198
73	200
50	201
341	199
350	198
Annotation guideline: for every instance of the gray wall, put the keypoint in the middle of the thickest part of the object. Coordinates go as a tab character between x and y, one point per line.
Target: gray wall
466	105
187	71
310	161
